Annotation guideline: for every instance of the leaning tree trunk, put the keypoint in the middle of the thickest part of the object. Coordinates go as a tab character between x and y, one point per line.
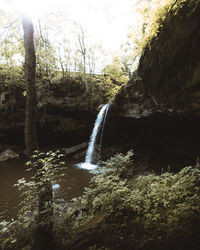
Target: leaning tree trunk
29	69
43	233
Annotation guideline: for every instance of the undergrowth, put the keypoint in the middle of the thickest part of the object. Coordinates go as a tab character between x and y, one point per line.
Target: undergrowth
163	207
123	207
19	233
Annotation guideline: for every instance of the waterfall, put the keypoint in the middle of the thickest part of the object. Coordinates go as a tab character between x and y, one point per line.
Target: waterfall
99	123
101	138
99	120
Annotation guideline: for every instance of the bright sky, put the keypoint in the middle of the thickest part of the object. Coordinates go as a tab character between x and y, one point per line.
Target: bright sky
106	20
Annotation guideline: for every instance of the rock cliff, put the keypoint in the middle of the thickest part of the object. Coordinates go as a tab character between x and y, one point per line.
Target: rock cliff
65	113
158	110
168	76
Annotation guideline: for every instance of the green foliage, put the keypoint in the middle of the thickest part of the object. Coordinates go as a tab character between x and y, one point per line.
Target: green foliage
18	233
122	197
45	165
101	91
11	86
51	92
167	203
163	206
153	14
45	56
121	165
117	71
49	68
108	189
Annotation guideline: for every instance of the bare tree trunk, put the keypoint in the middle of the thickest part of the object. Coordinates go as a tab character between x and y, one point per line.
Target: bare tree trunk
84	70
43	233
61	63
81	40
43	236
29	69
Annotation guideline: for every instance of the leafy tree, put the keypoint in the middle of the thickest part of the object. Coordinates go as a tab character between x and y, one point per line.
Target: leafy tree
11	54
45	52
116	71
152	15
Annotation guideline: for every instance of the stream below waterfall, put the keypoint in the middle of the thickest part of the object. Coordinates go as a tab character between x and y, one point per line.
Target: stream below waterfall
71	185
67	187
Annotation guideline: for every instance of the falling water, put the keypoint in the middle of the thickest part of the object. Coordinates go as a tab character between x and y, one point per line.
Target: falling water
102	130
100	120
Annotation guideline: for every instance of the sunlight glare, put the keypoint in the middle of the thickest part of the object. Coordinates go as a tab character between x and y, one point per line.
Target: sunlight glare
32	8
106	22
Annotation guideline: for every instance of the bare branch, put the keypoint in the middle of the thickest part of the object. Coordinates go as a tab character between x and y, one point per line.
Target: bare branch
40	29
8	27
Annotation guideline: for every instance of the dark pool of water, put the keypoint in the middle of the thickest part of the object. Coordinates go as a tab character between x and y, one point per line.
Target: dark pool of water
71	185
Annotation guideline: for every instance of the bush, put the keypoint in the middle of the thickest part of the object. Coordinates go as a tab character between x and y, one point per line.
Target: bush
149	211
19	233
165	207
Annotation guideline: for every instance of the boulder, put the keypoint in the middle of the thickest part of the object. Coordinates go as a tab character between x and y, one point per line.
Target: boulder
8	154
75	149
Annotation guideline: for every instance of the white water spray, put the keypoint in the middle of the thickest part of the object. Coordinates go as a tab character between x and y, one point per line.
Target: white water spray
101	117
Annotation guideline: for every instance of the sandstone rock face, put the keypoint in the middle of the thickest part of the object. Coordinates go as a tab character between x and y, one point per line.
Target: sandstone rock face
158	111
63	117
168	76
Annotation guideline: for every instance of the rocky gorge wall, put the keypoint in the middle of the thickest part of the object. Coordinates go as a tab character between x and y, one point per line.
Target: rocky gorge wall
158	110
64	117
168	76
